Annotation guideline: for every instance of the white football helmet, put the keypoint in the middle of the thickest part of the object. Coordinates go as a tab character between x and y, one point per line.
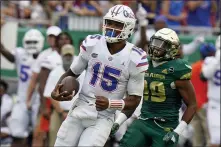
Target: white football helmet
166	41
33	41
124	15
218	43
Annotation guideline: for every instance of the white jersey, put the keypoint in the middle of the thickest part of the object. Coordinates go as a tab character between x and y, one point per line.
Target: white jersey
109	75
24	62
41	58
211	70
52	61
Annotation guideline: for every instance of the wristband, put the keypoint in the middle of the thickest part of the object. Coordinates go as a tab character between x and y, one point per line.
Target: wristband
182	126
121	119
116	104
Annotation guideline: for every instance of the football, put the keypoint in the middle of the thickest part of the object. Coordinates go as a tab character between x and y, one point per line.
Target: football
70	84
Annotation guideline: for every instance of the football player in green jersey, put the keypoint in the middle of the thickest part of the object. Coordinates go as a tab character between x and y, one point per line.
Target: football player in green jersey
167	84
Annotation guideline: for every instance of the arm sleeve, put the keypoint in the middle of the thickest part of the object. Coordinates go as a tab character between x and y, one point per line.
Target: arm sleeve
52	61
137	67
81	62
138	80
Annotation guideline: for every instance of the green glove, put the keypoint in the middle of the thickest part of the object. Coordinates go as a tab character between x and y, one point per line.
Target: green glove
171	137
114	129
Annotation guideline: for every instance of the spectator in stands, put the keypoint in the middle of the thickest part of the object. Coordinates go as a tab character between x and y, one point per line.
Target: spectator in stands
37	11
199	122
152	8
6	104
52	7
88	8
105	5
174	11
10	10
199	12
160	22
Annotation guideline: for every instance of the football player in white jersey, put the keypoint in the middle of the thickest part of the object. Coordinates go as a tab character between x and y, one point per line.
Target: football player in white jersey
24	58
113	67
212	73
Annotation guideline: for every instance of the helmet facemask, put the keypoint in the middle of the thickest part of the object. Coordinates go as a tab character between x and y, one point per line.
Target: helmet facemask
116	33
161	49
31	46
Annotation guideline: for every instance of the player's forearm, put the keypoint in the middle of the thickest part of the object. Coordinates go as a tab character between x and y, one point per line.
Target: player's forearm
56	106
131	103
32	85
44	72
187	92
190	48
143	42
189	113
9	56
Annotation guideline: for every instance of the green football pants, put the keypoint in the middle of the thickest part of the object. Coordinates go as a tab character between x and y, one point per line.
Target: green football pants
145	133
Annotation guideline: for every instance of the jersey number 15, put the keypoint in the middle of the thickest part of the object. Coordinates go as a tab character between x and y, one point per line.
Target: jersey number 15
107	80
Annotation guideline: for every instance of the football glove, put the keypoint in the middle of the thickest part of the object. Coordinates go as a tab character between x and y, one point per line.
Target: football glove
171	137
114	129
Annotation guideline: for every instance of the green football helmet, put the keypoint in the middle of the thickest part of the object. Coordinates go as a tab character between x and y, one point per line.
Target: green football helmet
164	45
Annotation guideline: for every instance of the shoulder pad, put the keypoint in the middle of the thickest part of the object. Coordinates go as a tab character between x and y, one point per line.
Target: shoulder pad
19	51
90	41
183	70
208	60
138	55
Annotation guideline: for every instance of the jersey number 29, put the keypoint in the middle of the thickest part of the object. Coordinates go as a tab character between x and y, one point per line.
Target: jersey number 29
156	92
108	81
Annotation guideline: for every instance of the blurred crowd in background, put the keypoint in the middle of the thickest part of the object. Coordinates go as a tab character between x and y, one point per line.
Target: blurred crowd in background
203	13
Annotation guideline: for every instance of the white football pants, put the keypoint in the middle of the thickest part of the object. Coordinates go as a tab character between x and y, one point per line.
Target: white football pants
21	122
83	127
213	117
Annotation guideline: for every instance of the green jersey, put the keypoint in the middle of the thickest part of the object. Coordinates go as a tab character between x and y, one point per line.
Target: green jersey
161	98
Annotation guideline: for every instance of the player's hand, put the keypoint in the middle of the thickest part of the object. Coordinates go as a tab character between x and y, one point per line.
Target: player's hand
171	137
141	15
102	103
64	96
114	129
28	104
200	39
64	115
